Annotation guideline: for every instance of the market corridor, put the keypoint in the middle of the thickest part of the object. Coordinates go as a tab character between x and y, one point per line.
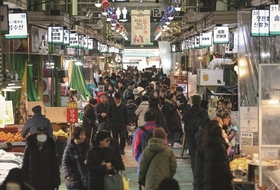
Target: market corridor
183	173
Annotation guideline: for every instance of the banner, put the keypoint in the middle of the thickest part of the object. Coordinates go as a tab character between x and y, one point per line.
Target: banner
72	112
140	27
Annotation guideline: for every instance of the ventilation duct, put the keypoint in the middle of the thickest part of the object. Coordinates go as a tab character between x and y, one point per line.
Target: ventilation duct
220	62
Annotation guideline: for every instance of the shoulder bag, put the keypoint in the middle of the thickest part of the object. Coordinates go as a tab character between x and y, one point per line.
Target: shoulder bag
84	176
143	182
113	182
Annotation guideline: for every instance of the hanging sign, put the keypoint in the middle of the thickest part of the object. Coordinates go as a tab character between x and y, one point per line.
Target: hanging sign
81	41
17	26
90	44
102	47
221	35
173	48
111	49
249	119
140	27
85	42
191	43
260	23
196	42
74	40
66	37
274	20
117	50
72	112
55	35
206	39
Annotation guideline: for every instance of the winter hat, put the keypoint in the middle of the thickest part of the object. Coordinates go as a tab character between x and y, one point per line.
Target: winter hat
37	109
101	135
15	175
153	83
196	100
99	94
135	91
159	133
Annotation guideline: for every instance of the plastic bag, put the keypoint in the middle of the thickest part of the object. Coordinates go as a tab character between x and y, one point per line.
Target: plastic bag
125	184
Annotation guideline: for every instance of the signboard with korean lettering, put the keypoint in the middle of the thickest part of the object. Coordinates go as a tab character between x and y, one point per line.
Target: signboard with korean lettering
17	26
102	47
55	34
81	41
111	49
85	42
220	35
140	27
72	112
74	40
260	23
196	42
66	37
274	20
90	44
206	39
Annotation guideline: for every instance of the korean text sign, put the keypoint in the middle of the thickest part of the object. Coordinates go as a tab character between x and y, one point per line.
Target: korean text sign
17	26
221	35
260	23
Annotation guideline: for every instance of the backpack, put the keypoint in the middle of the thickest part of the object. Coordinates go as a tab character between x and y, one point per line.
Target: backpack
193	125
148	136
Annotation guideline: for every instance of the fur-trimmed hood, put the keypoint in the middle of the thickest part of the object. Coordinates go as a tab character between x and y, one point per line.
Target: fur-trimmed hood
168	101
31	142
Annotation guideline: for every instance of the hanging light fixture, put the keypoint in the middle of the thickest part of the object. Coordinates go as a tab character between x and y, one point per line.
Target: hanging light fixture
104	13
113	22
178	4
98	4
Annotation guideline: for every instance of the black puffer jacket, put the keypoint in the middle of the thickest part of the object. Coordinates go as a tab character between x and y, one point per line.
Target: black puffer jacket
198	183
217	174
172	116
97	172
159	118
117	116
40	167
102	108
131	108
69	164
89	120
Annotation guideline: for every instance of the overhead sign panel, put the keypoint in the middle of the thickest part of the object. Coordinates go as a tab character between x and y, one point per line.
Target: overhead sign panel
221	35
260	23
17	26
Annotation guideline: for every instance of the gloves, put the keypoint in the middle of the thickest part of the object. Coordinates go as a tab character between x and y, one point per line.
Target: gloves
235	128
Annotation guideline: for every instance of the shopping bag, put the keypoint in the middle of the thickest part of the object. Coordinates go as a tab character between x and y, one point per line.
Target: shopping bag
113	182
125	183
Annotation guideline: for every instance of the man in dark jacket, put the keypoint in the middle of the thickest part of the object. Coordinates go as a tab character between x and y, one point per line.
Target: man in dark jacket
102	109
89	120
40	164
181	99
189	114
129	90
118	118
131	108
121	88
37	120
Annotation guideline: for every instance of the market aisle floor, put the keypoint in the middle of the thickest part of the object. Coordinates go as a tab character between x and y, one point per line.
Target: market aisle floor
183	174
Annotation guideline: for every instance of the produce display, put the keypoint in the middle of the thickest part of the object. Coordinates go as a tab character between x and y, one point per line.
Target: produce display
10	137
239	164
60	133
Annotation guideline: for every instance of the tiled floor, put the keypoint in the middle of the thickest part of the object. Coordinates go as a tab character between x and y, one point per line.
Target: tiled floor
183	174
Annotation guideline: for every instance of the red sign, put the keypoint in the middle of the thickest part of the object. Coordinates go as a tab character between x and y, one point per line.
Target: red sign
72	115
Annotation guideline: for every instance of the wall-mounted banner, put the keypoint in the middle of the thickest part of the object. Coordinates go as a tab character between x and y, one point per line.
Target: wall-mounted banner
17	26
274	20
260	23
66	37
55	35
206	39
221	35
140	27
74	40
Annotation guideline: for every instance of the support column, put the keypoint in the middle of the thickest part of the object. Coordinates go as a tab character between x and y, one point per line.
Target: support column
165	56
74	7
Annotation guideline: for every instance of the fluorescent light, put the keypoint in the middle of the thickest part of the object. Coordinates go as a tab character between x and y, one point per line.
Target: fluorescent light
8	90
78	63
273	101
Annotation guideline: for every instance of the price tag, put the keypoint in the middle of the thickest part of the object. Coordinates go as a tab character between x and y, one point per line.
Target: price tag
18	143
55	34
17	26
221	35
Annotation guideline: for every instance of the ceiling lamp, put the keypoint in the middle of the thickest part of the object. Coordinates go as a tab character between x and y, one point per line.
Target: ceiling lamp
78	63
113	28
104	13
114	17
98	4
113	22
167	23
170	18
105	4
178	4
170	10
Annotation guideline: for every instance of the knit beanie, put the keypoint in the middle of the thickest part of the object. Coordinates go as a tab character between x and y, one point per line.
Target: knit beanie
36	109
101	135
159	133
196	100
15	175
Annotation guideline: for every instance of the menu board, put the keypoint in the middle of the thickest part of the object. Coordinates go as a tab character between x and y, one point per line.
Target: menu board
221	35
260	23
74	40
17	26
66	37
90	44
206	39
274	20
55	35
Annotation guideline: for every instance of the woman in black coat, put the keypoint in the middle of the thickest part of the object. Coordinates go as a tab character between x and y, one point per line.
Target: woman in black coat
74	153
101	161
89	119
40	164
173	120
217	175
198	183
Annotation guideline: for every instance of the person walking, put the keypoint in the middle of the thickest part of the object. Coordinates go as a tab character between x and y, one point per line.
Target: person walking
37	120
158	162
73	161
102	108
141	110
40	164
89	120
118	118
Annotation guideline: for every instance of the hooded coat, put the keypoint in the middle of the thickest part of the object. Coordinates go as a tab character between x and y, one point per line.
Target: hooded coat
159	118
217	175
40	167
89	120
140	112
69	164
163	165
172	116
